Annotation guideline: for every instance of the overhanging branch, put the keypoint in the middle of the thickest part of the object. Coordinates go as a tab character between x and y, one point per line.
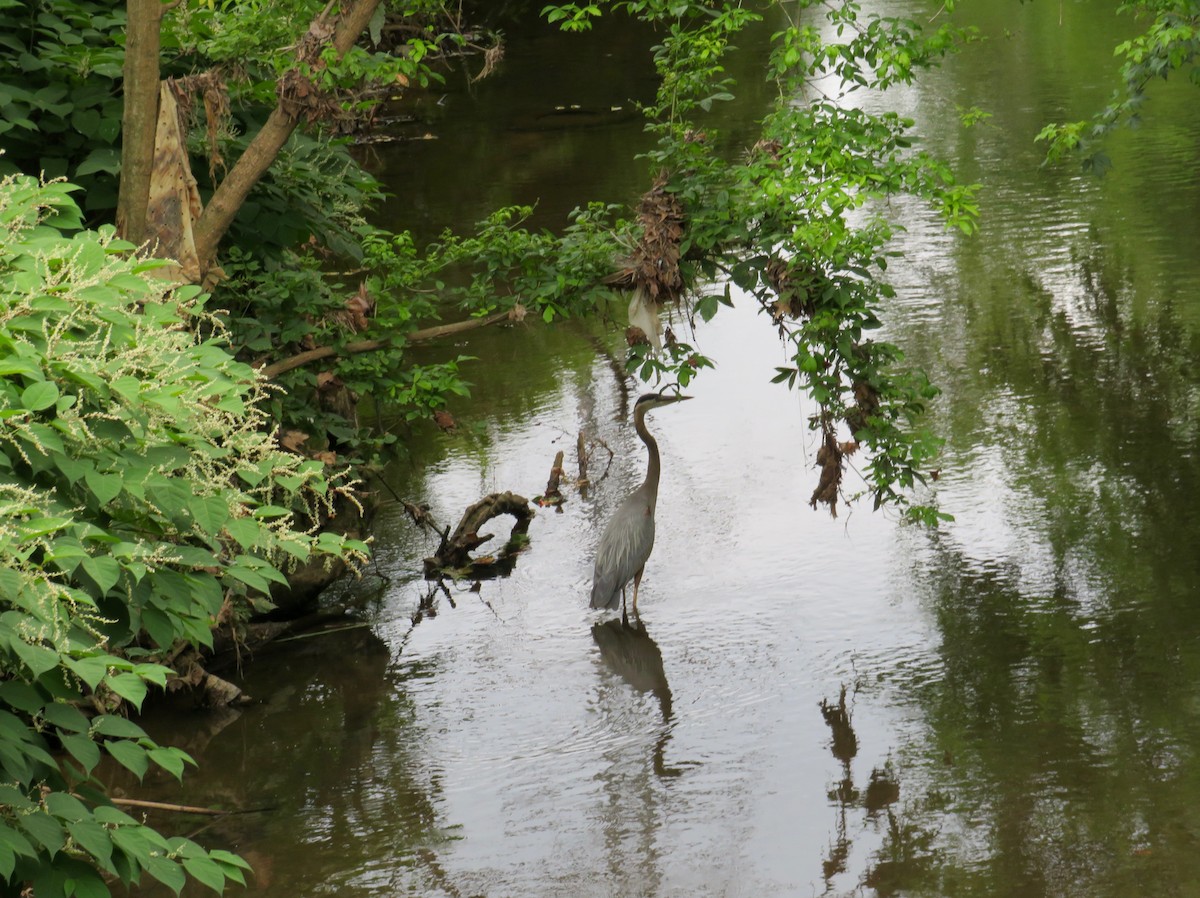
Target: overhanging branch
430	333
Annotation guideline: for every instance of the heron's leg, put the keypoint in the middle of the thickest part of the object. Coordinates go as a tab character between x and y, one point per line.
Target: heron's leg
637	578
624	613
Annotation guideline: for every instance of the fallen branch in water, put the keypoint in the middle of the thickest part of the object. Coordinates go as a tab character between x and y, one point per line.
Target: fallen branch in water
456	551
553	495
582	454
422	518
165	806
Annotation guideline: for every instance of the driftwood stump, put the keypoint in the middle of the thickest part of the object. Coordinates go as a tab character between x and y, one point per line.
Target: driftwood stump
455	550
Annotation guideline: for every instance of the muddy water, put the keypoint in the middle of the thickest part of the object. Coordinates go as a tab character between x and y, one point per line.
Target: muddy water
1009	705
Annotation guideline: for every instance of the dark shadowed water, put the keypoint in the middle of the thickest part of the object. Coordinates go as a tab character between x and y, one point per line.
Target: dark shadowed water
1008	705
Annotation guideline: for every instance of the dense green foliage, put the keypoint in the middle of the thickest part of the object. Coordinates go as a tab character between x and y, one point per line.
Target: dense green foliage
1169	44
60	105
144	501
799	221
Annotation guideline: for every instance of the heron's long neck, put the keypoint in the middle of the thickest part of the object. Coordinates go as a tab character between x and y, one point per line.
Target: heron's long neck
652	470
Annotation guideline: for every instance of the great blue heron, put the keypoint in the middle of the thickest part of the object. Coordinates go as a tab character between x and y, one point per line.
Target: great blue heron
629	537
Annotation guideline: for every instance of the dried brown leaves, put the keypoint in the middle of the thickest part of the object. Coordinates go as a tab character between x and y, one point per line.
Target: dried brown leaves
654	263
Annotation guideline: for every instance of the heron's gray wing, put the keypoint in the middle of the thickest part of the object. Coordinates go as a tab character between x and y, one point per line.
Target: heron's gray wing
623	549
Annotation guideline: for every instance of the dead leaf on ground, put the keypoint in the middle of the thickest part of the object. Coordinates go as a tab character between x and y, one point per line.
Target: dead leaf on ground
293	440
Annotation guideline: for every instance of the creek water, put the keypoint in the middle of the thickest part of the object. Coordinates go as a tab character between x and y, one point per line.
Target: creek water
1008	704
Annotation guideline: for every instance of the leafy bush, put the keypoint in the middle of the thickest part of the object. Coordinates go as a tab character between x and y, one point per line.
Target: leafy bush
60	104
141	502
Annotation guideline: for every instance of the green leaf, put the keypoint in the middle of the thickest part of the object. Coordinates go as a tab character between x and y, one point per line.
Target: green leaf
194	556
105	487
169	759
40	396
42	525
11	839
87	884
111	816
157	674
93	838
8	862
66	717
45	830
129	686
37	658
21	696
101	159
14	365
130	756
103	570
210	513
83	750
167	872
66	807
91	668
159	625
205	871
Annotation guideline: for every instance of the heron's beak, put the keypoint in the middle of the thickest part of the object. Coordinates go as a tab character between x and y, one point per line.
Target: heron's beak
678	398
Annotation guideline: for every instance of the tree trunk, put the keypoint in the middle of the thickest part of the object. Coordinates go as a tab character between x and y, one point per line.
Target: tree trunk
218	215
140	117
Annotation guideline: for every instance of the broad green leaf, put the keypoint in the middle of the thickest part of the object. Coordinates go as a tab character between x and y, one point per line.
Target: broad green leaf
12	365
43	439
206	592
66	553
74	468
101	159
112	816
40	396
159	625
93	838
129	686
153	673
271	511
129	388
205	871
18	800
38	658
83	750
167	872
194	556
168	759
105	487
244	530
130	756
87	884
45	830
103	570
210	513
8	862
20	695
66	807
40	526
221	856
117	727
91	668
10	582
66	717
249	577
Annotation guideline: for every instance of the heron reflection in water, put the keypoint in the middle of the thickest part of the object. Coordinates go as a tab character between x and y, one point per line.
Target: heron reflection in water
629	537
632	655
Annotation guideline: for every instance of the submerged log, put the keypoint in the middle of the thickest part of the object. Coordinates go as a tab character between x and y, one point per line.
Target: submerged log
455	552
